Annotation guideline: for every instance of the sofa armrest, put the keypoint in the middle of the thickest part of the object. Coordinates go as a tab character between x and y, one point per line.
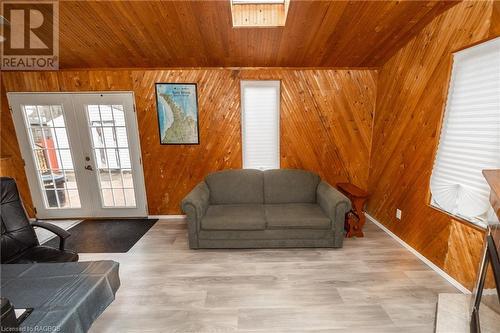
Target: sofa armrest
334	204
195	205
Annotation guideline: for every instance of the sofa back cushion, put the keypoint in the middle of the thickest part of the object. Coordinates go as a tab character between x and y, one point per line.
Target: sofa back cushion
290	186
236	187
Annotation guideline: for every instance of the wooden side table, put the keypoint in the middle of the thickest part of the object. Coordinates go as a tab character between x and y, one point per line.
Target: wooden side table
355	219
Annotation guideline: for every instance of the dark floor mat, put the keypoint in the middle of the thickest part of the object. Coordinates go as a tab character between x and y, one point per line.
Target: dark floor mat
105	236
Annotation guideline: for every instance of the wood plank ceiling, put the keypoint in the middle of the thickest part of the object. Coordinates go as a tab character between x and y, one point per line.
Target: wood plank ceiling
108	34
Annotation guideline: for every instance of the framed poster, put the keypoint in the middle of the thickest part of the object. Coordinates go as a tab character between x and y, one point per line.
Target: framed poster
177	108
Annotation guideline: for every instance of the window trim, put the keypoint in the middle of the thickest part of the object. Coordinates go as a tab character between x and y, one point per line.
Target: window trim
260	83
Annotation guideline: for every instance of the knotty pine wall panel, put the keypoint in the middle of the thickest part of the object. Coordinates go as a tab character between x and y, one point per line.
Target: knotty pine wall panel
325	122
412	89
495	19
171	171
12	164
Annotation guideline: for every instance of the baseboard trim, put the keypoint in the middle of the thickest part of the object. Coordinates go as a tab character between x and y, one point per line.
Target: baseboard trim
166	217
426	261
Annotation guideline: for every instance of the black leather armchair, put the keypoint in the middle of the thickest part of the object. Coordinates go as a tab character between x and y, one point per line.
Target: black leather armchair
19	241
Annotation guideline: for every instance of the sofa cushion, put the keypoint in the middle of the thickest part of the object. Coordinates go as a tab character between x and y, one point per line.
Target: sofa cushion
298	215
236	187
234	217
290	186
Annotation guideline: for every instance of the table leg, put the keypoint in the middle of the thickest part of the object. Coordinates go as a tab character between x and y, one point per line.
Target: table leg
357	229
352	221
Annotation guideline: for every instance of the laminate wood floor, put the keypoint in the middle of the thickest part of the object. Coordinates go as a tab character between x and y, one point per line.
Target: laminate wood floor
371	285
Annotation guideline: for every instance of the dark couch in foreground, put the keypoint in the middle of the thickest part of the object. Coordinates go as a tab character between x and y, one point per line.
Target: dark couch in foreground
265	209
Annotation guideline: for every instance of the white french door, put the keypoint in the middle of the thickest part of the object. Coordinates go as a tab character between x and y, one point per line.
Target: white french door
81	152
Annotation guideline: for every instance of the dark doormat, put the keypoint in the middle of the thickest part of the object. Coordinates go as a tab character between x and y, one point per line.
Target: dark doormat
105	236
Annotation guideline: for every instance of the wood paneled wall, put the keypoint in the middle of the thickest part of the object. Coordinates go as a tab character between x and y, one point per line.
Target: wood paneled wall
495	19
326	122
11	163
412	89
326	126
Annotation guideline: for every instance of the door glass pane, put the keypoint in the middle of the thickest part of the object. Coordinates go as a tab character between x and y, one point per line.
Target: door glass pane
107	197
109	137
62	137
121	137
112	155
129	196
105	178
127	178
50	148
124	158
118	115
119	197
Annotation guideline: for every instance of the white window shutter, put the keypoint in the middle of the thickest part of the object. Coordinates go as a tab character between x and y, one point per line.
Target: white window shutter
260	105
470	134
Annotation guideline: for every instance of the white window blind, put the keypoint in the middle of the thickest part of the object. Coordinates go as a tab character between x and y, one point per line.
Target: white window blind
470	135
260	105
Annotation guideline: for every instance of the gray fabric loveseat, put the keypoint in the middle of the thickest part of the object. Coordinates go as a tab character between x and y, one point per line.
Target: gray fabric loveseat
265	209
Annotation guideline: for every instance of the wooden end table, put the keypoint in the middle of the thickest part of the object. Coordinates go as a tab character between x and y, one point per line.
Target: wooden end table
355	219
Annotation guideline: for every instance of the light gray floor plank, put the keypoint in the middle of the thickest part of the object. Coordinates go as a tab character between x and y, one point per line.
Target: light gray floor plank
370	285
331	316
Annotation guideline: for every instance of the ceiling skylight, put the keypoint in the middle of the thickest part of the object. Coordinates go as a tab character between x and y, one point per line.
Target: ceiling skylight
240	2
259	13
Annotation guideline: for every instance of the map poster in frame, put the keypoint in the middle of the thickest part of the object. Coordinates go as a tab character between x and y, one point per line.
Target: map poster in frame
177	108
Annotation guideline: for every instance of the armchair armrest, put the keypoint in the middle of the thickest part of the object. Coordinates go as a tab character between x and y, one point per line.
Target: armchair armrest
195	205
60	232
334	204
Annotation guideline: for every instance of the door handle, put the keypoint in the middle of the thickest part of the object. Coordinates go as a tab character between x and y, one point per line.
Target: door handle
89	167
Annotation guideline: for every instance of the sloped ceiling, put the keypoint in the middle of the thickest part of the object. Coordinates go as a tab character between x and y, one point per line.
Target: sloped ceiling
109	34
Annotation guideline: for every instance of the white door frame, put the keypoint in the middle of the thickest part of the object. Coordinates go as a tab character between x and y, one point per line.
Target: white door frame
127	100
78	136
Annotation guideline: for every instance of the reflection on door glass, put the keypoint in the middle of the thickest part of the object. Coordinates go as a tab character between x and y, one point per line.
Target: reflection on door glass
111	154
50	148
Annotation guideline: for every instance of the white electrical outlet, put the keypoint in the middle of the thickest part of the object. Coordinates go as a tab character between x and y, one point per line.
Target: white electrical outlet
398	214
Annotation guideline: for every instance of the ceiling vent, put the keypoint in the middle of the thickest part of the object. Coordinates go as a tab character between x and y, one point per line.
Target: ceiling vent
259	13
